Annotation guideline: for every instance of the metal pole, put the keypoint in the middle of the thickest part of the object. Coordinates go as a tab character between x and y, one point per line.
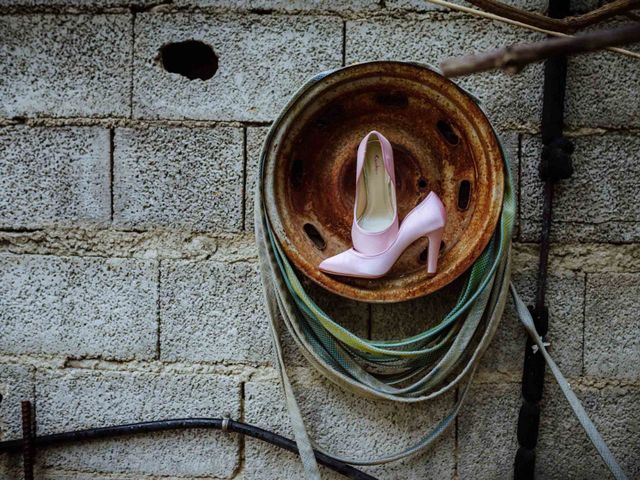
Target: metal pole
27	439
555	164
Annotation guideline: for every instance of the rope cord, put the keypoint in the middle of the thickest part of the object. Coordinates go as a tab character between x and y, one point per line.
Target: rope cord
414	369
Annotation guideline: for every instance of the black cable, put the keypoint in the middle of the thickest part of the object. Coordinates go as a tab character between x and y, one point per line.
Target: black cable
180	424
555	165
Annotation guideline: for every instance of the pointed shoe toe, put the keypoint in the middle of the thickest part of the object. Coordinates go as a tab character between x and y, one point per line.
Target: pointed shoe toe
427	219
338	264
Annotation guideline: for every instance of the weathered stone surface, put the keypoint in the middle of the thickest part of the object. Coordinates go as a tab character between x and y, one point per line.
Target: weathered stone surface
53	474
65	65
598	203
287	5
262	60
255	139
54	176
350	425
565	299
74	399
603	89
487	431
179	178
611	340
76	4
212	311
78	306
533	5
153	244
72	289
564	451
511	101
16	384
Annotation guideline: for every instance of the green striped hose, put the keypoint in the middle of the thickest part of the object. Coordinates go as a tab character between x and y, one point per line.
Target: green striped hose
414	369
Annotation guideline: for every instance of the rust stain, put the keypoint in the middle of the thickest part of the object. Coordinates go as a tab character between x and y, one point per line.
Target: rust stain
440	138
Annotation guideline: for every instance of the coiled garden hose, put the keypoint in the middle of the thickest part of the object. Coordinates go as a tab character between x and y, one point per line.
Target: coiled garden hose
414	369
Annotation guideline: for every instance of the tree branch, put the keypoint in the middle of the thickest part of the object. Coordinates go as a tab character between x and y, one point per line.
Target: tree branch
515	57
565	25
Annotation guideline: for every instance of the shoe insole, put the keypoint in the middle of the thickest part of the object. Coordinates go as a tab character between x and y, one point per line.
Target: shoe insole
378	210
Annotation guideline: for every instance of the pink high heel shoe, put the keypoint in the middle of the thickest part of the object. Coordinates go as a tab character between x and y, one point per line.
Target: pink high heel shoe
427	219
375	212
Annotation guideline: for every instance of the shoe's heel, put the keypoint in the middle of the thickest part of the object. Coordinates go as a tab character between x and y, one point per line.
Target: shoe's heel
435	240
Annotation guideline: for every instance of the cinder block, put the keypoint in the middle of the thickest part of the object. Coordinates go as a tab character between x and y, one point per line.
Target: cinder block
65	65
533	5
76	4
424	5
262	61
611	341
16	384
255	139
511	101
603	89
598	202
41	471
265	407
75	399
54	176
287	5
565	452
565	299
349	425
212	311
488	425
78	306
487	439
179	178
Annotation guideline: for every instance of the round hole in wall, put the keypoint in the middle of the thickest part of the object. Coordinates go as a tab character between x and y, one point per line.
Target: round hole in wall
191	58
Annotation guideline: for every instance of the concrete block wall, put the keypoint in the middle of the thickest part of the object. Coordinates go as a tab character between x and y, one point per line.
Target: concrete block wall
128	273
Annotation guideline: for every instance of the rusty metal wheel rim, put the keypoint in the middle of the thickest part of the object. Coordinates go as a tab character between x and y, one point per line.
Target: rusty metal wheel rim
441	140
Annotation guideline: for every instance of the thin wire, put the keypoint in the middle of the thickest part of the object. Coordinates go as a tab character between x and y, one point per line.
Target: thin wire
498	18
